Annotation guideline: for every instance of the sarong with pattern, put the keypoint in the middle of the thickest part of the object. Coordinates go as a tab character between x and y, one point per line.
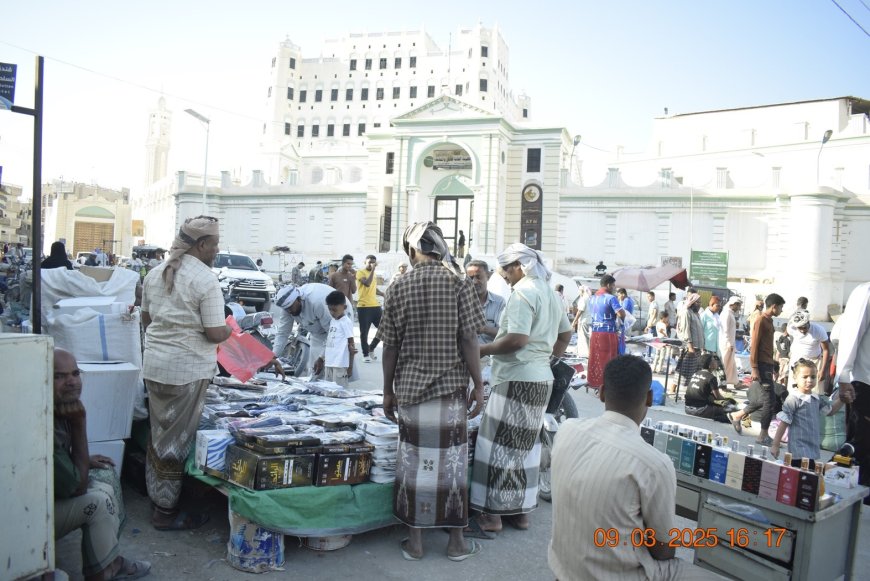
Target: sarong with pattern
431	487
507	454
174	412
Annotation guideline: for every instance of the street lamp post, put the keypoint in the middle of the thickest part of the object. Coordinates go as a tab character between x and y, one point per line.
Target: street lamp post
571	159
825	138
207	122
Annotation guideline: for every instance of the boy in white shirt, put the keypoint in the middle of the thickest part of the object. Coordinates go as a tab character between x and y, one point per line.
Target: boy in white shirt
338	356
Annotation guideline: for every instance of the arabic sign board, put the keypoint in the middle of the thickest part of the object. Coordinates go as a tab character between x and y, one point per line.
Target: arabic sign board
709	268
7	85
450	159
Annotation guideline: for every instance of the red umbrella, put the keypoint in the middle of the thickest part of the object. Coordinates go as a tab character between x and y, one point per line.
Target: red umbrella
648	278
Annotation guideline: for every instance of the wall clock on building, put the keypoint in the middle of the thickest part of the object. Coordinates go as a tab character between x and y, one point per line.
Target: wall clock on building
532	193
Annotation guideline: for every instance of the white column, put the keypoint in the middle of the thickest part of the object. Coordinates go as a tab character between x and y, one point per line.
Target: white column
806	269
415	213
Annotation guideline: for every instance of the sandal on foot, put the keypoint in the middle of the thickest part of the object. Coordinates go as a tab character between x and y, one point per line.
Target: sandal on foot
474	549
476	531
405	554
132	570
738	427
183	521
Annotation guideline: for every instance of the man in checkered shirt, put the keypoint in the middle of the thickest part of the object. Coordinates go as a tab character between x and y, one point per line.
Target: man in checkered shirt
183	317
429	332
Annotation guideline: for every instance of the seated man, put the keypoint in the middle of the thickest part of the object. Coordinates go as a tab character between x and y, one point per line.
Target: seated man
86	488
605	477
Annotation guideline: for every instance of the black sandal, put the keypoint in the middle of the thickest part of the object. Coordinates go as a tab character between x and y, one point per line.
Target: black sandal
474	530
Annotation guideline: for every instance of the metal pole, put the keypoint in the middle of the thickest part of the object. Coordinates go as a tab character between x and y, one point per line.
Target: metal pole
36	219
205	170
825	139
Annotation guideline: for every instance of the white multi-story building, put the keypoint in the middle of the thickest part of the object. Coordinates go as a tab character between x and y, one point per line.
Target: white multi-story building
330	104
784	189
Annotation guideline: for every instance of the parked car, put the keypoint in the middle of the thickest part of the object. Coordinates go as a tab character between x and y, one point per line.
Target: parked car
254	287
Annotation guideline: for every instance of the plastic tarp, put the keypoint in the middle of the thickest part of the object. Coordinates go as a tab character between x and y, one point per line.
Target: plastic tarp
60	283
310	511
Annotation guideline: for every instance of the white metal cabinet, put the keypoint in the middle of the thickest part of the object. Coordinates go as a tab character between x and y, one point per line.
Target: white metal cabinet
26	467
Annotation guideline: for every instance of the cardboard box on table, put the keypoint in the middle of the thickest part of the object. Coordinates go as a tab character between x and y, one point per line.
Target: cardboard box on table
108	393
348	464
261	472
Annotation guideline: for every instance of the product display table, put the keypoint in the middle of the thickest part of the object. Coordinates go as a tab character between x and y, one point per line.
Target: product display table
813	546
310	511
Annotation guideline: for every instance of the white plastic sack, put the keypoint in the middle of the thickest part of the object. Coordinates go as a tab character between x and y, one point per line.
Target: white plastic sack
60	283
93	336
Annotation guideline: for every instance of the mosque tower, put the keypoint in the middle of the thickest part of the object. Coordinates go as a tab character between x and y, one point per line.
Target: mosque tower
157	144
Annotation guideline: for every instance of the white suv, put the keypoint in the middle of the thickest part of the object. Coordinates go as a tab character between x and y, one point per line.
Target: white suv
254	287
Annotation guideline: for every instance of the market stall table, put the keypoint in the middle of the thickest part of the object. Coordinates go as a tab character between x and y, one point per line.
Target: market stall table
816	546
310	511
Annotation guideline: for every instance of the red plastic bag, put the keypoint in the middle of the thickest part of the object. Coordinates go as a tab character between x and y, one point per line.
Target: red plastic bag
242	355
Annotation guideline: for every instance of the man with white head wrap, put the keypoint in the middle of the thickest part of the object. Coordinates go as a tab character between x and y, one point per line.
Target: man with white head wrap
183	317
809	341
429	332
306	305
533	328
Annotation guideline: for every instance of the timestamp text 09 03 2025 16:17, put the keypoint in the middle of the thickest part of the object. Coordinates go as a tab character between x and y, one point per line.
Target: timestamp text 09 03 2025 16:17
690	538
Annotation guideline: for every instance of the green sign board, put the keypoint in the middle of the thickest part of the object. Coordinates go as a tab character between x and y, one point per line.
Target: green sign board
709	268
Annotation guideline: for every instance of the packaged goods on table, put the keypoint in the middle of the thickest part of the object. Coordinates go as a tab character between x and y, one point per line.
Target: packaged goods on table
798	482
211	450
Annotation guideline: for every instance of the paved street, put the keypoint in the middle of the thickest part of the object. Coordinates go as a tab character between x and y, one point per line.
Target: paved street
200	555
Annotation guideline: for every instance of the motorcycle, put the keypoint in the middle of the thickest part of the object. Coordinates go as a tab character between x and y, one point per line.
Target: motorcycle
561	407
296	352
259	326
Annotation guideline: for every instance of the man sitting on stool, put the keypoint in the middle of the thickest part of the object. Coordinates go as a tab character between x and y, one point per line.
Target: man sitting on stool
86	488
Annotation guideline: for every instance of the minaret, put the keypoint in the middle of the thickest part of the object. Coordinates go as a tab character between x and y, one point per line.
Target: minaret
157	144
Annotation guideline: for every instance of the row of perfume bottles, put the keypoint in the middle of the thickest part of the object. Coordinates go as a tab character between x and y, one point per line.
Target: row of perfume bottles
701	453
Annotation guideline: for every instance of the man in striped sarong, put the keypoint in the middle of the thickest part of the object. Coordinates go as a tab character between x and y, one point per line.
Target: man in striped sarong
429	332
507	453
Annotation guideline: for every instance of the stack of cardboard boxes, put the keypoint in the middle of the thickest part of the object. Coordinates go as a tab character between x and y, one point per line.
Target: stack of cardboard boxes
105	338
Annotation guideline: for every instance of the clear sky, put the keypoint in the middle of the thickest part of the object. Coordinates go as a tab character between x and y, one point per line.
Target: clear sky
600	69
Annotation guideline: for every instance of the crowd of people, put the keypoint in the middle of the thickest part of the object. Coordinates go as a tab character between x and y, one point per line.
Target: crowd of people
442	330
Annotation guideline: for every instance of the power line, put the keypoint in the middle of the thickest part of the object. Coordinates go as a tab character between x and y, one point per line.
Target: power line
864	4
134	84
843	10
